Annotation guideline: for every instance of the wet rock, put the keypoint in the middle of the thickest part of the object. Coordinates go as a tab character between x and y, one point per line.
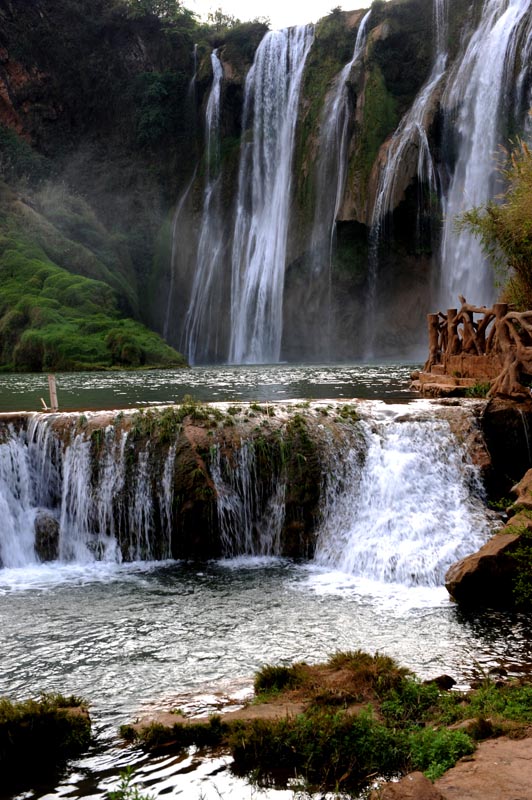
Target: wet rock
501	769
507	429
523	491
412	787
443	682
485	578
46	536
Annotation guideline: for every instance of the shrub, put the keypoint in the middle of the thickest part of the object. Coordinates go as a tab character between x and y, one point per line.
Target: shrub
52	729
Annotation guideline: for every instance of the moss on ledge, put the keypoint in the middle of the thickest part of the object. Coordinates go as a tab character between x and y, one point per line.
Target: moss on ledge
54	318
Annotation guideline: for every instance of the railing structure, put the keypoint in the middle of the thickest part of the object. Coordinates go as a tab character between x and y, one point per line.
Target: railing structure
500	338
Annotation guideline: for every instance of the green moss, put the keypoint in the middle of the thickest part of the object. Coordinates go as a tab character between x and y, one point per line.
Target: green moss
332	49
53	320
379	120
19	161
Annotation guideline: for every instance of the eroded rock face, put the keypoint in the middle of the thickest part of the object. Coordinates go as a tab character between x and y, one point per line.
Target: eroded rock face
523	491
46	536
507	429
412	787
485	578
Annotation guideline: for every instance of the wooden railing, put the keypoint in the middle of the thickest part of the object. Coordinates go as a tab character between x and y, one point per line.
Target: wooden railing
480	331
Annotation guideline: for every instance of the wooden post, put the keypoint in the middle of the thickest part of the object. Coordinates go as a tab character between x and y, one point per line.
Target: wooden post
433	321
453	340
53	393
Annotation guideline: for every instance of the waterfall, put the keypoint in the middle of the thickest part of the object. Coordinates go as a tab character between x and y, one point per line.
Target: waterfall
405	510
476	94
250	521
176	223
408	146
202	317
17	505
397	499
331	166
264	193
523	105
111	500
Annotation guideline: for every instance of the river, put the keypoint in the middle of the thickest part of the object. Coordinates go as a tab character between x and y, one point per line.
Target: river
134	638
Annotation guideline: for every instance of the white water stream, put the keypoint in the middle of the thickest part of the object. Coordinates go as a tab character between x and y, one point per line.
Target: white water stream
202	318
332	159
384	484
477	91
264	194
409	144
383	517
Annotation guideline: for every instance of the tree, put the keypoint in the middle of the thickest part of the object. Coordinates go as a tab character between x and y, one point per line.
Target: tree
505	227
165	9
220	21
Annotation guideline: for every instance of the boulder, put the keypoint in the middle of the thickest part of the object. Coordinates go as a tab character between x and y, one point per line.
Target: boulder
485	578
46	536
523	491
412	787
507	429
443	682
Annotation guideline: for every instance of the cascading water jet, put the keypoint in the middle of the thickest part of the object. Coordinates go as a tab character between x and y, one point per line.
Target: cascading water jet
476	95
264	192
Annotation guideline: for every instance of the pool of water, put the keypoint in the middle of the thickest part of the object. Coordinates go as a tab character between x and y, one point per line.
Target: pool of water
136	638
265	383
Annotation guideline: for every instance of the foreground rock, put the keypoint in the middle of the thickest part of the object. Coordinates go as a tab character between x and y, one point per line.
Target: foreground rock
412	787
501	769
486	577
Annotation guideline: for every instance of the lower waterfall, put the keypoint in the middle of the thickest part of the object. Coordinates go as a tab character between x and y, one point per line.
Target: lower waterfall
377	491
407	509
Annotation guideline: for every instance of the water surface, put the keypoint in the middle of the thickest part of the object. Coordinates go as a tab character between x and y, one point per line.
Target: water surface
136	638
265	383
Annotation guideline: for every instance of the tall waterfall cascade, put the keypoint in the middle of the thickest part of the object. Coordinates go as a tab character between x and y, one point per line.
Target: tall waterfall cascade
411	137
264	192
399	499
254	274
201	329
332	160
412	131
331	174
477	94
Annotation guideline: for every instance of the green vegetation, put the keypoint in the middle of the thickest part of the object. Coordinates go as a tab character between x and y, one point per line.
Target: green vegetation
126	789
505	228
522	586
37	736
380	119
479	389
18	160
271	679
332	48
52	318
363	715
